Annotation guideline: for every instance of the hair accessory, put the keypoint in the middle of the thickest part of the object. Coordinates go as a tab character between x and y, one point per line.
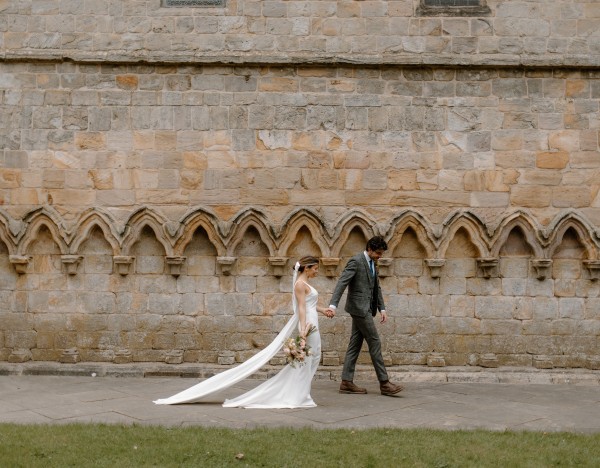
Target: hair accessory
297	266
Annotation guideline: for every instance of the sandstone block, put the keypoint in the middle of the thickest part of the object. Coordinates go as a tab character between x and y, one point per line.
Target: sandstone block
462	306
509	88
99	120
540	177
523	308
576	121
576	197
501	327
514	287
116	197
519	120
436	360
455	286
577	88
566	268
90	140
564	327
542	362
585	159
402	180
536	287
571	308
486	199
67	340
419	306
545	308
494	307
484	286
408	285
428	285
565	140
514	267
505	140
20	339
531	196
97	302
84	98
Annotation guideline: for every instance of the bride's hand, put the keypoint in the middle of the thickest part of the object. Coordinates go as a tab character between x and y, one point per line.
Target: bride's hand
306	329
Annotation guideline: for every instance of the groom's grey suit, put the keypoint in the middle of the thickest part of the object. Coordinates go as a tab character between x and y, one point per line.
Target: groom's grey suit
364	295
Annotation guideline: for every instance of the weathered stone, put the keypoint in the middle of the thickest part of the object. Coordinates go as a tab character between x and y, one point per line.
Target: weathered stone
70	356
531	196
213	138
542	362
20	355
488	360
436	360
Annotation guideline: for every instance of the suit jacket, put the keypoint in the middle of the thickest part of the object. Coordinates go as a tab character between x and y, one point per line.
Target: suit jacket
357	278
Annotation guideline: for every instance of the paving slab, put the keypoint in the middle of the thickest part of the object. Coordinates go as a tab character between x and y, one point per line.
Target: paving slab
425	403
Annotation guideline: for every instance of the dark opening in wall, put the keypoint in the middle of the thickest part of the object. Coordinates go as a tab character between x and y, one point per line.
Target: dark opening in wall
453	8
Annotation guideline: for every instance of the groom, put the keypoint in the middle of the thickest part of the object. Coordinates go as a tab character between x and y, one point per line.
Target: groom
363	301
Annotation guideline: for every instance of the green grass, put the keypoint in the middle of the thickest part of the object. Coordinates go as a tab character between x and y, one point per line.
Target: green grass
96	445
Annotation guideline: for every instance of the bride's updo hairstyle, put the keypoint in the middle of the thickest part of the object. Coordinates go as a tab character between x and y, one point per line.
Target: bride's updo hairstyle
304	262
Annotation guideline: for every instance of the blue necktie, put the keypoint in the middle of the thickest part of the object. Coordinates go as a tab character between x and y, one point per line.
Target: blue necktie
372	266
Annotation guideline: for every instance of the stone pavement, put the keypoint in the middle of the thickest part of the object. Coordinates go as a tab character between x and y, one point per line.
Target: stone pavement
497	399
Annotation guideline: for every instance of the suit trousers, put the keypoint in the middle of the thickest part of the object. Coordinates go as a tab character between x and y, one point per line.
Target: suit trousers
363	329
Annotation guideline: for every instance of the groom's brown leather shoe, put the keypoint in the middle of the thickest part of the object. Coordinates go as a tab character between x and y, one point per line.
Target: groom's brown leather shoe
347	386
389	389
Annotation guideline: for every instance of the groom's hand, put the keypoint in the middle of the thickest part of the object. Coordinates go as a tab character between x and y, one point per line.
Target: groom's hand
383	316
330	312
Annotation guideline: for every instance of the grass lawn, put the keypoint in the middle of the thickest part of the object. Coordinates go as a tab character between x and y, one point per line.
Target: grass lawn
98	445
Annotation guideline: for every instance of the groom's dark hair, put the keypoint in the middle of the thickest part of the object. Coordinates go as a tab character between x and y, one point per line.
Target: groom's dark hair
376	243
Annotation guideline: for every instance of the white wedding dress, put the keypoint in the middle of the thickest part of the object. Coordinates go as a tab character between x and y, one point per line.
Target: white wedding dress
290	388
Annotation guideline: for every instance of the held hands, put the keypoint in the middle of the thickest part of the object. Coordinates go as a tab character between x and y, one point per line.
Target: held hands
329	312
383	317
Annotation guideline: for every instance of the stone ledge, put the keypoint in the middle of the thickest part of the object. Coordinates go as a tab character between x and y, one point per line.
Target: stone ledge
418	374
251	58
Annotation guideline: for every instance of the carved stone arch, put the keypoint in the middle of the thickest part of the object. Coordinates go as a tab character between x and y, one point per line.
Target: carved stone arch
526	226
35	223
582	236
136	224
44	211
352	220
90	220
241	223
199	219
562	224
525	218
414	221
309	220
474	227
5	234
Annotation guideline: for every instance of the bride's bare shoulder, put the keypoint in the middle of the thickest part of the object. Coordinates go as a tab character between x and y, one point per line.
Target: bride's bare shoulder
301	286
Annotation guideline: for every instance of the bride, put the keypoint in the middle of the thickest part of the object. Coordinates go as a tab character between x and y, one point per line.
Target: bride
290	388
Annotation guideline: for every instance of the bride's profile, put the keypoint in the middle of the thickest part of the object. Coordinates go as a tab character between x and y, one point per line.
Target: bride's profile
290	388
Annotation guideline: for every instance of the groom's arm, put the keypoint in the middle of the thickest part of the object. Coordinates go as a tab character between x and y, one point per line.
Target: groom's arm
342	284
381	304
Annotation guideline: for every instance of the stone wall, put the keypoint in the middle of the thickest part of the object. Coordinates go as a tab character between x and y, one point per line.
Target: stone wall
125	136
154	290
527	32
162	168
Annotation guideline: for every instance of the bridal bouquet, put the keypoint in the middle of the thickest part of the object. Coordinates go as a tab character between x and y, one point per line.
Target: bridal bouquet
296	350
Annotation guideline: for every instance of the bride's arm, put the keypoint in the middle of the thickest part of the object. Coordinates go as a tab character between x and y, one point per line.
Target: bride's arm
300	292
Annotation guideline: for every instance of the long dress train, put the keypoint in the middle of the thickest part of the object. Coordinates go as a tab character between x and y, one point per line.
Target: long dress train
290	388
